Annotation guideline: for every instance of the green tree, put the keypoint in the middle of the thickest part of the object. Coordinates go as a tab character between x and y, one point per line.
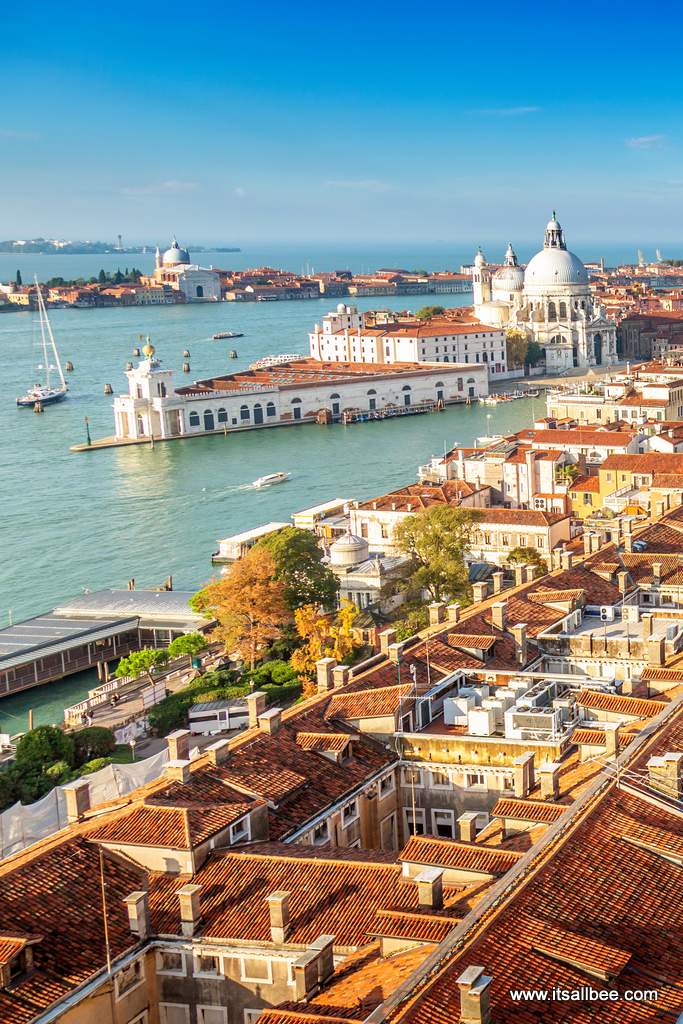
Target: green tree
189	643
534	353
95	741
517	348
18	279
102	278
527	556
438	539
140	662
411	623
428	311
44	745
300	568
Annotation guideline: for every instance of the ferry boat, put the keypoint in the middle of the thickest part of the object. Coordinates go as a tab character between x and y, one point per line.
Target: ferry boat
39	395
226	334
271	478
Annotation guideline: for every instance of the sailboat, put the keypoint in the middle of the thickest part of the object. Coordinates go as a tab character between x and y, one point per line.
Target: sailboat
39	395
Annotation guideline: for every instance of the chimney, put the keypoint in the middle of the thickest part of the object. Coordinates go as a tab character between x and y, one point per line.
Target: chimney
177	771
269	721
278	908
622	582
657	574
499	614
587	549
395	651
566	560
324	948
532	571
453	612
611	738
665	774
628	543
519	574
498	578
479	592
256	703
549	772
77	800
178	744
340	675
190	910
474	988
430	888
595	542
306	975
386	638
218	752
655	651
521	646
137	905
324	668
626	526
437	613
524	775
646	619
467	827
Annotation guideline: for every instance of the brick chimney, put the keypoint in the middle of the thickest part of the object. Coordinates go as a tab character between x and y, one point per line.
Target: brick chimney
453	612
611	738
647	619
256	703
269	721
386	637
521	646
520	574
77	800
474	988
395	652
278	908
587	549
665	774
340	675
178	744
467	827
437	613
549	772
566	560
218	752
655	651
137	905
479	592
430	888
324	669
190	909
524	774
177	771
499	614
622	582
628	543
498	578
657	574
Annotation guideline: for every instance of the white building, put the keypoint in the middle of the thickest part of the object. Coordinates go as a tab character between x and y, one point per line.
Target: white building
284	394
550	301
344	335
176	269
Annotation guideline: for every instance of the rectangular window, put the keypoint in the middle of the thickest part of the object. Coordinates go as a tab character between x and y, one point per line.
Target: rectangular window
443	824
256	969
386	785
350	812
412	777
207	965
438	779
419	823
240	830
129	978
321	833
174	1013
212	1015
169	961
475	780
251	1016
540	543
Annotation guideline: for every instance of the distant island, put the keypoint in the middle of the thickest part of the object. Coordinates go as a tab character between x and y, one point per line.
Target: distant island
50	246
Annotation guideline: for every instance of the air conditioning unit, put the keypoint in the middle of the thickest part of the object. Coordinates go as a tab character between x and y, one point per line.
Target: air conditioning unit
481	722
524	724
455	710
606	613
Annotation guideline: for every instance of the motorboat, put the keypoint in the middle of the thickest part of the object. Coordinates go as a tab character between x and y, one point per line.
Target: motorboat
226	334
271	478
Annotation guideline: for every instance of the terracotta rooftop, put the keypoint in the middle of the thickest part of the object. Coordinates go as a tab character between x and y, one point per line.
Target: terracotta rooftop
379	702
416	497
170	825
401	924
478	642
448	853
334	742
635	707
586	483
528	810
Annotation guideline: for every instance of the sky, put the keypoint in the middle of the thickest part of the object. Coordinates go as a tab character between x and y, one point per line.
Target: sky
357	122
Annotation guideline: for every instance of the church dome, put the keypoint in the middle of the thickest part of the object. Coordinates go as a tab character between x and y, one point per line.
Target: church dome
509	279
479	259
175	255
349	550
550	267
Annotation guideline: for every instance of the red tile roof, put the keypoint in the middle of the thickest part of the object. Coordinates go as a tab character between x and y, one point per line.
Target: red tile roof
376	703
629	706
528	810
334	742
448	853
400	924
170	825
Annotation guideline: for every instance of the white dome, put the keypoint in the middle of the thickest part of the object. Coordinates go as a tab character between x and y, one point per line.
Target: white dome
493	313
349	550
175	255
479	259
551	267
508	279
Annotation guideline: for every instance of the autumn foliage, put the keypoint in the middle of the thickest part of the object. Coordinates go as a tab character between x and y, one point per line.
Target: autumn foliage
324	636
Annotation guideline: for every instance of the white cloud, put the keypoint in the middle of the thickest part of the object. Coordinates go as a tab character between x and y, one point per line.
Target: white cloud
160	188
645	141
506	111
361	184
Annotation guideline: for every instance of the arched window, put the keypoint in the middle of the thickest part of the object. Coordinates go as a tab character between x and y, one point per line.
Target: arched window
200	291
372	399
244	412
336	406
296	408
439	390
222	416
563	311
552	312
446	359
258	413
209	423
162	390
194	419
406	394
270	409
406	387
471	380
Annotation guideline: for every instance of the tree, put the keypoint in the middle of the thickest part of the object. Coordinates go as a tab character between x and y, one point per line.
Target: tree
438	539
18	279
527	556
517	348
102	278
534	353
95	741
249	605
323	636
428	311
189	643
300	568
140	662
42	746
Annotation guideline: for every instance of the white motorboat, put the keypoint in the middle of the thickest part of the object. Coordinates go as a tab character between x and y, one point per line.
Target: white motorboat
271	478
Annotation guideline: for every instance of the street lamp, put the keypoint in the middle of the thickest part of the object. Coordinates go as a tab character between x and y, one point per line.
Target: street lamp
132	749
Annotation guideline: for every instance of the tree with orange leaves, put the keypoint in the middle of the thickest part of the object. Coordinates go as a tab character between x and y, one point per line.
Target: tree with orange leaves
248	604
323	636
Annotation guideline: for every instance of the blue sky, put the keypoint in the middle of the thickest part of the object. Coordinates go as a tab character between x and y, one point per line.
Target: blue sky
361	122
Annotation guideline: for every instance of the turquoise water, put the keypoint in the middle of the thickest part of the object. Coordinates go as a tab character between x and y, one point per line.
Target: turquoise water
74	521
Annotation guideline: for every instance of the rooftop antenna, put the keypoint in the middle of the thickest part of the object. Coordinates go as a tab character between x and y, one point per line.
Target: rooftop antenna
120	246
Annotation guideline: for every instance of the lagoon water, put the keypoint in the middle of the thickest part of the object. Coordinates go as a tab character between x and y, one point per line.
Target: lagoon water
75	521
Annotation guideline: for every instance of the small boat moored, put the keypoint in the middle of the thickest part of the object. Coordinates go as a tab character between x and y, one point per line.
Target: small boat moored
271	478
226	334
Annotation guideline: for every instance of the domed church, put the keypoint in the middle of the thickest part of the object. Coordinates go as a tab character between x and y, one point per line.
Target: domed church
550	301
176	270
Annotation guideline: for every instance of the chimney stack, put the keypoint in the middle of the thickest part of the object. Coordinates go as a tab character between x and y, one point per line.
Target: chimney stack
340	675
278	908
657	574
437	613
549	772
665	774
587	550
177	771
524	775
256	703
137	905
77	800
178	744
453	612
521	646
479	592
628	543
498	578
499	615
595	543
269	721
611	738
324	948
646	619
656	651
520	574
566	560
218	752
467	827
386	638
190	909
475	1007
622	582
324	668
395	651
430	888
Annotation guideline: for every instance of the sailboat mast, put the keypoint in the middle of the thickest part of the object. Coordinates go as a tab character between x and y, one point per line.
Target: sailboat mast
41	320
46	325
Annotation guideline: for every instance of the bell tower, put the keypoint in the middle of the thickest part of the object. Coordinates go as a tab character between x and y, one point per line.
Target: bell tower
481	279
